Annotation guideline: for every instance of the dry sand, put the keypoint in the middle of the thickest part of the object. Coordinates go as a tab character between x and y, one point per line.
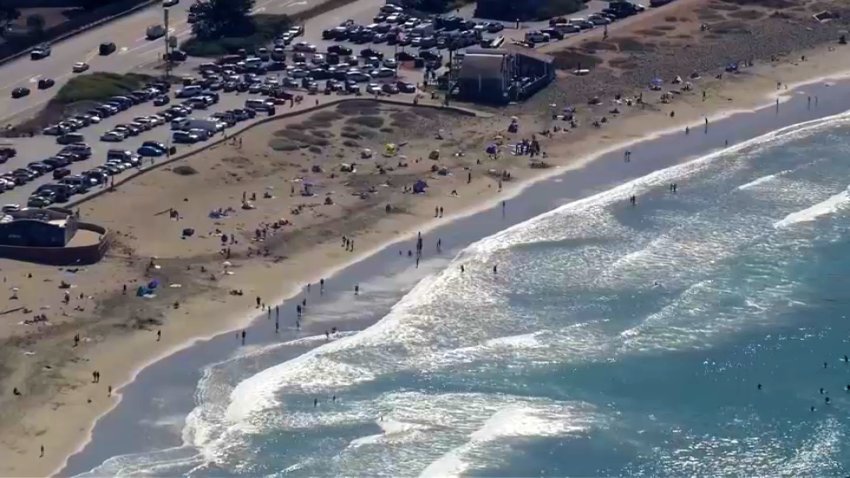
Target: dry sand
59	402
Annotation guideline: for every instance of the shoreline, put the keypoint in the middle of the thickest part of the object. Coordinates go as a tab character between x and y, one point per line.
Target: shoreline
511	192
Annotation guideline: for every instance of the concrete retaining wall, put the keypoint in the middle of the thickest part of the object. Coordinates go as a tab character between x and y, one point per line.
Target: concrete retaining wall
63	256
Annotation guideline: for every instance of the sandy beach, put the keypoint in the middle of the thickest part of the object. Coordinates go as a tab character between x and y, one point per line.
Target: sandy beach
269	212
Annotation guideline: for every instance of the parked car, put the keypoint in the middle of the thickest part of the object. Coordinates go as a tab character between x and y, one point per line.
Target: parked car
45	83
20	92
389	89
61	173
80	67
150	151
114	136
406	87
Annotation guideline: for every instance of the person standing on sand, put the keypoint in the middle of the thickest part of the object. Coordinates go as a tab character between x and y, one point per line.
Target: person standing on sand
258	302
321	286
42	452
495	269
243	337
356	290
276	326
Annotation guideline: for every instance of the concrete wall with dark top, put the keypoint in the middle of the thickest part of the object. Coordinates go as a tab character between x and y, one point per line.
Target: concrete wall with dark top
63	256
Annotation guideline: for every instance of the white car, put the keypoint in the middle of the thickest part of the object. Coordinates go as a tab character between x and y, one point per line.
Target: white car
170	3
373	89
112	137
80	67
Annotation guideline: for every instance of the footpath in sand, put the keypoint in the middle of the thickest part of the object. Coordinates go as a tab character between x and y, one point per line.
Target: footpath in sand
209	281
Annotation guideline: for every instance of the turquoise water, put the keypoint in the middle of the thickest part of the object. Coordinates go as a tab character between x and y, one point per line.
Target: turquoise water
614	340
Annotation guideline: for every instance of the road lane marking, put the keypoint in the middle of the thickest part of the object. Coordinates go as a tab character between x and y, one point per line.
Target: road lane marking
35	79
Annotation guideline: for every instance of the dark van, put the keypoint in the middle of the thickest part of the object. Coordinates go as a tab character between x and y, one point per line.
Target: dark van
70	138
107	48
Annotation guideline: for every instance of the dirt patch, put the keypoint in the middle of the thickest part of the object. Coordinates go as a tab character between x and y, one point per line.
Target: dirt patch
683	36
595	45
184	170
665	28
327	116
671	19
350	135
358	108
283	145
774	4
320	133
633	45
315	150
724	7
747	15
387	130
731	27
367	121
350	143
625	64
304	139
570	59
652	33
709	15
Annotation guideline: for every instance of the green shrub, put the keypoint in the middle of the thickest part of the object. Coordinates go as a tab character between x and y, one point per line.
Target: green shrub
99	86
264	29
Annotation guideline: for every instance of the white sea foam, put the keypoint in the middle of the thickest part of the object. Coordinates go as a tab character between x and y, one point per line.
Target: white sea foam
525	232
762	180
832	205
512	422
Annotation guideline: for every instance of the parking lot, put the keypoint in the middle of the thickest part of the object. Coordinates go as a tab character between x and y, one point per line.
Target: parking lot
326	57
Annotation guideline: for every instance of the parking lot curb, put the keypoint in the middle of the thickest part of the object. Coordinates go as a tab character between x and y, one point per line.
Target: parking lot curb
269	119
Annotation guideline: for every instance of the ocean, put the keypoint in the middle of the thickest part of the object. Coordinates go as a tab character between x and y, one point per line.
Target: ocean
700	332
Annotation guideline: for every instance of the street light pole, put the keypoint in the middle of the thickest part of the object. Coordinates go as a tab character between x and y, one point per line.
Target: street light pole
167	55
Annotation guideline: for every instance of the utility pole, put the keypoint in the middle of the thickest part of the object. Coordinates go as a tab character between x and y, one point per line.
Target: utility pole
167	40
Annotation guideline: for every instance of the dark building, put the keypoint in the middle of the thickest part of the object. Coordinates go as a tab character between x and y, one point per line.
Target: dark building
509	10
499	76
37	228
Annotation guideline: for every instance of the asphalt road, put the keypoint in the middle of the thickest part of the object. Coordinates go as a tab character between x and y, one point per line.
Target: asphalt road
134	51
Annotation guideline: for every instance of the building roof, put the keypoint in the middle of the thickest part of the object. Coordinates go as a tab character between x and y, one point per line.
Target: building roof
482	65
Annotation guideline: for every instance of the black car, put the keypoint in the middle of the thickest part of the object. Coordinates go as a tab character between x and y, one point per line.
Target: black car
340	50
20	92
61	173
45	83
406	87
106	48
